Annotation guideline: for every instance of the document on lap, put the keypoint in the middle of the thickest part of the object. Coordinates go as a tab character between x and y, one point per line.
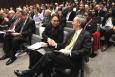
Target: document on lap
2	32
9	31
36	46
42	51
6	31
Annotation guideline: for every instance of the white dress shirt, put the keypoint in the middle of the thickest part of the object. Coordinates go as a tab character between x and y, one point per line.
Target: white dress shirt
38	18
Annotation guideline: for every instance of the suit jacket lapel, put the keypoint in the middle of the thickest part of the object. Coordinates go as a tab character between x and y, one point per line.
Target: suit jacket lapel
80	37
26	24
69	38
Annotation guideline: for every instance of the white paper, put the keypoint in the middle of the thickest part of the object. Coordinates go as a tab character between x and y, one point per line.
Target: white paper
2	32
42	51
36	46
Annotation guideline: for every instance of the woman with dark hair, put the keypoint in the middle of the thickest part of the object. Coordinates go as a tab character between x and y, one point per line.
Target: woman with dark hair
92	27
52	33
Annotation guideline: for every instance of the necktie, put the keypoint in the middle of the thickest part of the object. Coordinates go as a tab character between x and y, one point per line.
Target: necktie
22	27
14	25
74	38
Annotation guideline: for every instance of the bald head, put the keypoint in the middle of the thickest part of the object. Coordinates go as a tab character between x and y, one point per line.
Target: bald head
47	12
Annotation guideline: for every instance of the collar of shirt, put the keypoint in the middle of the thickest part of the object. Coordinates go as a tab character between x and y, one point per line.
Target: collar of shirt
78	31
25	21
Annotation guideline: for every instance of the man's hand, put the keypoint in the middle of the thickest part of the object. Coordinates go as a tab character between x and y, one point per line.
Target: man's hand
51	42
45	45
114	28
15	34
64	51
11	30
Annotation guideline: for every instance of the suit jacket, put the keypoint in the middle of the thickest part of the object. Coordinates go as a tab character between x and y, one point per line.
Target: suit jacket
92	25
46	21
100	13
62	21
28	29
81	47
57	34
106	18
72	15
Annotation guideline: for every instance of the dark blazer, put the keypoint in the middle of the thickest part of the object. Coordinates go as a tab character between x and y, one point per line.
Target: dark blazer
57	34
106	18
46	21
82	46
62	21
72	15
29	28
100	13
92	25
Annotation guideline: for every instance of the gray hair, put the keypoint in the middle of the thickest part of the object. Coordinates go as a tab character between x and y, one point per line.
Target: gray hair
81	19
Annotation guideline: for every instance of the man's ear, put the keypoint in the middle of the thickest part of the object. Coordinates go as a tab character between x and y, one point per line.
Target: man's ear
78	23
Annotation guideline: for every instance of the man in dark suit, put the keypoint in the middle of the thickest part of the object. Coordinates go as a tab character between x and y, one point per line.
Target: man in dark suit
77	45
69	13
24	28
99	11
47	17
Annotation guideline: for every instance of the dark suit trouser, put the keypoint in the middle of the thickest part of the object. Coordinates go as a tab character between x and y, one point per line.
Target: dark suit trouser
50	60
35	55
11	45
7	46
16	45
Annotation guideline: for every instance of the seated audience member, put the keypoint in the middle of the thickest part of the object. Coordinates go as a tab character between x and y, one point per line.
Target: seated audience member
12	17
81	10
52	33
5	18
61	18
1	17
77	45
69	13
47	17
107	29
38	17
19	32
31	11
5	22
99	11
113	17
92	27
